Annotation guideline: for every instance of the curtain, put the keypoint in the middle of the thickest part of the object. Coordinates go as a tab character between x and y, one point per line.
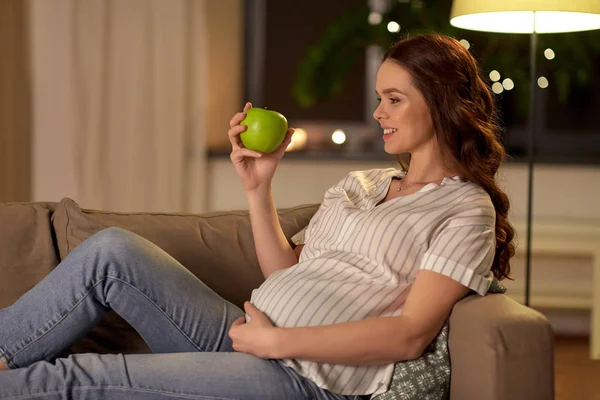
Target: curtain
15	107
120	83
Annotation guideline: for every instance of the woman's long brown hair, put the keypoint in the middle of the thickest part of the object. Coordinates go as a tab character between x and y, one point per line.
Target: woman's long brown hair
465	119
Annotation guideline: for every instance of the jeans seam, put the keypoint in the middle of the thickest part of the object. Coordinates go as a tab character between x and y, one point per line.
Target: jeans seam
142	390
87	295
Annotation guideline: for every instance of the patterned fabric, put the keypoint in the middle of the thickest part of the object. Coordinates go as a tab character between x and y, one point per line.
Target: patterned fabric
427	377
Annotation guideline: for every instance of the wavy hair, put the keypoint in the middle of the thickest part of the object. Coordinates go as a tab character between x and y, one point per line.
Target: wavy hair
465	120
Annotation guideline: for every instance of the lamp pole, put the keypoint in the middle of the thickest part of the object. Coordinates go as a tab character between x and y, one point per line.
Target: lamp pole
530	155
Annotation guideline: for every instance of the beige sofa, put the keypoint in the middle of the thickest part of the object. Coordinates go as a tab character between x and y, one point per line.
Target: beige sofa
500	350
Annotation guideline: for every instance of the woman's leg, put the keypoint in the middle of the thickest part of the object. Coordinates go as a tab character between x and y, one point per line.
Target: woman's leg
197	375
171	309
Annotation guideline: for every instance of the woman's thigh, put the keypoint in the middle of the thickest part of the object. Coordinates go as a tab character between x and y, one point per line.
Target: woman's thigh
160	376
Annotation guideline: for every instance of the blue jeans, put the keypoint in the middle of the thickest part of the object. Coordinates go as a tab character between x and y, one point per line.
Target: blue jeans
184	323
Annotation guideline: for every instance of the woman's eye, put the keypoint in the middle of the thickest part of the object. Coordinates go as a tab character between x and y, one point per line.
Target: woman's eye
392	100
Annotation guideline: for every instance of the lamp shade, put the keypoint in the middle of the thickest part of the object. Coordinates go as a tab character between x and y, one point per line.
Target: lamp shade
526	16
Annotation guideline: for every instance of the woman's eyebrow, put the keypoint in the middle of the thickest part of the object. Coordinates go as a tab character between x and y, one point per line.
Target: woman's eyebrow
391	90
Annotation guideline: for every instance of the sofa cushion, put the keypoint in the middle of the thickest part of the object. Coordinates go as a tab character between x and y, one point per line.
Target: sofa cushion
217	247
27	250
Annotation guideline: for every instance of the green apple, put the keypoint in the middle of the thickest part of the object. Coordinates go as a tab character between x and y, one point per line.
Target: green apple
266	130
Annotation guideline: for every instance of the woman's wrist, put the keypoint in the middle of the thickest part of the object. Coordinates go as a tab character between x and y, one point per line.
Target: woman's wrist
260	191
279	343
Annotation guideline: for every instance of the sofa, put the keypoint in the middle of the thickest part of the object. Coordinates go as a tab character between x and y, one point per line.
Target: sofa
499	349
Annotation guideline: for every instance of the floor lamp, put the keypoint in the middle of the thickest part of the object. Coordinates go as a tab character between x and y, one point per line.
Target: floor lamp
531	17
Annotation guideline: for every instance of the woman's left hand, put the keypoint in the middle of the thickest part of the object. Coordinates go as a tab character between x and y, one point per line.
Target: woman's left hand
256	337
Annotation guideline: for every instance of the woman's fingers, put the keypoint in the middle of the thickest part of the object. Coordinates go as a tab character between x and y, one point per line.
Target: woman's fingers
289	134
237	118
236	128
240	153
234	135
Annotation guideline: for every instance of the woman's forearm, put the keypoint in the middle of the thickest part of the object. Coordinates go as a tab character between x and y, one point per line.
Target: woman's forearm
272	248
371	341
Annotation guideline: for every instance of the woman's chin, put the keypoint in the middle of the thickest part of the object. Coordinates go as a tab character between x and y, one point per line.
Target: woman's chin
394	150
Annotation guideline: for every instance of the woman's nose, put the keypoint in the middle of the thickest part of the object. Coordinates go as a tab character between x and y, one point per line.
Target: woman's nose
378	113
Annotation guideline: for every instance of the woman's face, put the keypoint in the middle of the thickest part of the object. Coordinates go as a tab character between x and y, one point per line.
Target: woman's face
402	111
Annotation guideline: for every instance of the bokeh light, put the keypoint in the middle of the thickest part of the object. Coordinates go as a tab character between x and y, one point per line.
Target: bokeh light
338	136
495	75
375	18
508	84
497	88
299	139
393	26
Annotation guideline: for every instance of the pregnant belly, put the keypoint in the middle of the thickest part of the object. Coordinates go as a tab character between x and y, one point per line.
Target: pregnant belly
304	298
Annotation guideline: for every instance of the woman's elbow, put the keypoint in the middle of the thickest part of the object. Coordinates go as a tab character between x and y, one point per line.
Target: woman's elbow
413	348
416	349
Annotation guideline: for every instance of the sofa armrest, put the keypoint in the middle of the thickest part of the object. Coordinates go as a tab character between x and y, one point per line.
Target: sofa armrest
500	350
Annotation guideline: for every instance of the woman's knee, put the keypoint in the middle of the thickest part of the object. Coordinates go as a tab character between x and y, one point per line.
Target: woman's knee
111	237
116	241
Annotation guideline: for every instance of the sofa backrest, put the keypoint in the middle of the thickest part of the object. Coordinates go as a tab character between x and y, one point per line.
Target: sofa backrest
217	247
27	249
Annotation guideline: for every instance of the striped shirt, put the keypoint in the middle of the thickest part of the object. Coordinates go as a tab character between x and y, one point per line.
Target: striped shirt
361	257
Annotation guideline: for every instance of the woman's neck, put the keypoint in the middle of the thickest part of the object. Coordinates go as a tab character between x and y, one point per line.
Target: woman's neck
428	171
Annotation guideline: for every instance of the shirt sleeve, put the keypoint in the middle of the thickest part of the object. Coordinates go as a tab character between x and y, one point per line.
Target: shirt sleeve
464	253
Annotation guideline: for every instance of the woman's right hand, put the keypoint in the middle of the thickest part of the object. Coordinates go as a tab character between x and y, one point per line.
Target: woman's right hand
254	168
